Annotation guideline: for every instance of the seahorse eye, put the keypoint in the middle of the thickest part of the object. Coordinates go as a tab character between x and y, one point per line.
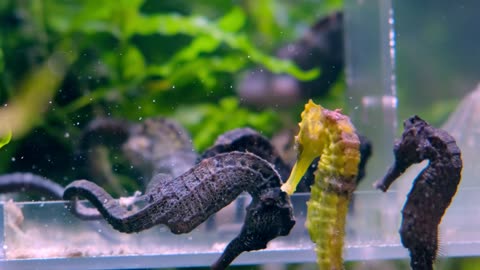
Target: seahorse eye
410	122
397	145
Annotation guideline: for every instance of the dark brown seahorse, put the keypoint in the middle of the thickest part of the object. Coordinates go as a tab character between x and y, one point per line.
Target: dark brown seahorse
432	191
245	140
156	145
321	46
187	201
249	140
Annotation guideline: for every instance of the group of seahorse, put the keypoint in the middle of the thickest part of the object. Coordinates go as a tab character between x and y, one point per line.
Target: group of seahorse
184	195
181	189
331	136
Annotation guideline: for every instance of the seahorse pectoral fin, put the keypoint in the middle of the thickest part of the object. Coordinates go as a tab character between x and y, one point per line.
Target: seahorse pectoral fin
298	171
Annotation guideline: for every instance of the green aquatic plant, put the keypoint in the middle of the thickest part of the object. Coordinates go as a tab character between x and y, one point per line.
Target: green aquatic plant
198	60
5	139
206	121
126	59
331	136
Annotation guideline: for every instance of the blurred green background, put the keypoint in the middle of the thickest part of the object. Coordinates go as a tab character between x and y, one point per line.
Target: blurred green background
438	56
64	63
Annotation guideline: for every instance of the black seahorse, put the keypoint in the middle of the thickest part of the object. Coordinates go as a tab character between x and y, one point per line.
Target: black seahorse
249	140
156	145
432	191
321	46
187	201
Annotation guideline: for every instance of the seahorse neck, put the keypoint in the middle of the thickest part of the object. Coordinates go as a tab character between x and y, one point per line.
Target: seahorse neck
447	153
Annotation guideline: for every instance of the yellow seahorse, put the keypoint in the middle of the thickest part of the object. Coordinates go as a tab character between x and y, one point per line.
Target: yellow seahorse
331	136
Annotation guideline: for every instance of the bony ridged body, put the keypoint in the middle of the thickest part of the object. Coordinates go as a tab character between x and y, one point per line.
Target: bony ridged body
330	136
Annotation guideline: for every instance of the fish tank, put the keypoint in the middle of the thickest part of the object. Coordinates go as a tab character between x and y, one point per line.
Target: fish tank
81	82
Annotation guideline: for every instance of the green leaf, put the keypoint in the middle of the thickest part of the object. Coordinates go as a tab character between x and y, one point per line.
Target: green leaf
207	121
91	17
202	68
133	64
2	60
174	24
262	13
202	44
233	21
5	139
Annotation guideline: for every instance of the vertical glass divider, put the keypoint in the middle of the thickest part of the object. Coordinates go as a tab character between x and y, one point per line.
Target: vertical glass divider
370	73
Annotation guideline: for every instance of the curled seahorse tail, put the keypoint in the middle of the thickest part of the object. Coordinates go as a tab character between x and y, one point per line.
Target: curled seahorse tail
232	251
25	182
108	207
93	193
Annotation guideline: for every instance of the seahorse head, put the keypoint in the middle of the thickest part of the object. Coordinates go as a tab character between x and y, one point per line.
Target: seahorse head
414	144
323	132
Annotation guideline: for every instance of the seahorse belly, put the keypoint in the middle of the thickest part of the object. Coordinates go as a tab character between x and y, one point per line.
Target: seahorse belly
326	215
